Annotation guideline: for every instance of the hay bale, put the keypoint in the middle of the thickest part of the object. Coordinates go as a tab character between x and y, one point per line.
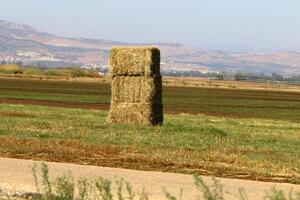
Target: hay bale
136	86
136	113
130	61
137	89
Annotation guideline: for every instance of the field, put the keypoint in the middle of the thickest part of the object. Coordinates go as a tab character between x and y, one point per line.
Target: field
252	134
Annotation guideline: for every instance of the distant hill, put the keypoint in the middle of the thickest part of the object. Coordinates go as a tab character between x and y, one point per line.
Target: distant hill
19	42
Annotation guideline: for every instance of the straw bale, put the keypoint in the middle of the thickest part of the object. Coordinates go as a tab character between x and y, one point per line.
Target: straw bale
136	86
137	89
136	113
134	61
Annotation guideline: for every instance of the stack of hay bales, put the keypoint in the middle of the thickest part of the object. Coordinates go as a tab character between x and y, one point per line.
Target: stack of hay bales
136	86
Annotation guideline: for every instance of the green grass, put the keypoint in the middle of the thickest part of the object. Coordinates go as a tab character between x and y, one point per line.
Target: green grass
54	91
260	149
233	103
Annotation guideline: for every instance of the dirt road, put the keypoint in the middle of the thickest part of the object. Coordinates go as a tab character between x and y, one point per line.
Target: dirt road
16	174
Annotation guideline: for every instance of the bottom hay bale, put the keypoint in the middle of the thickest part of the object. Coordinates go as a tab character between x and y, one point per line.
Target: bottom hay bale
136	113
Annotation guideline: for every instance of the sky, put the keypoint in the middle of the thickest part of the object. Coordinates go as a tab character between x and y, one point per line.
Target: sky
201	23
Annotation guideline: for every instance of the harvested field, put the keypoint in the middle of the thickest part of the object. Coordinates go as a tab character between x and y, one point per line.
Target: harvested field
233	103
249	134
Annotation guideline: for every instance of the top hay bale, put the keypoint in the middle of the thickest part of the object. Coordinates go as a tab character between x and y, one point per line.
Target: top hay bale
126	61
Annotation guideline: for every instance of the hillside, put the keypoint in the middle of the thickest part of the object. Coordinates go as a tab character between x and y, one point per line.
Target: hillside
19	42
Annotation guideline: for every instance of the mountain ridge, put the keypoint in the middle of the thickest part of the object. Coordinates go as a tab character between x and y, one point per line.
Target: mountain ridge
20	42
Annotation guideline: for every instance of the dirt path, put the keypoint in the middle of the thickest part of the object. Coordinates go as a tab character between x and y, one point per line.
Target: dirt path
16	174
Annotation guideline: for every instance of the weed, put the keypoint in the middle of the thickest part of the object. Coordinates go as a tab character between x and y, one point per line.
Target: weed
276	194
104	187
101	189
214	192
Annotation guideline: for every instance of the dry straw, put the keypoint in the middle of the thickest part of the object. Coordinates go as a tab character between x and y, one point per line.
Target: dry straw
136	86
129	61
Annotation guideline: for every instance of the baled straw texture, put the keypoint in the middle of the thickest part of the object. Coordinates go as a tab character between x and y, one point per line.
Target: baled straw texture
134	61
136	86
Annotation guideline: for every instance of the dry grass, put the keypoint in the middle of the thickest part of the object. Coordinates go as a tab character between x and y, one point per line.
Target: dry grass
16	114
72	73
227	84
142	61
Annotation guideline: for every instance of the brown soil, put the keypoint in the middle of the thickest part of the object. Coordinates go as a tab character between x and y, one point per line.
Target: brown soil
106	106
15	114
100	106
177	81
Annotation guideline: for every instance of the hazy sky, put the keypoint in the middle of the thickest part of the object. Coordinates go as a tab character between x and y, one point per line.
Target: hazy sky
260	23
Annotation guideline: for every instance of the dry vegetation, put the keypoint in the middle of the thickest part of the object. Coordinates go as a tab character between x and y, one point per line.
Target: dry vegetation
12	70
210	83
